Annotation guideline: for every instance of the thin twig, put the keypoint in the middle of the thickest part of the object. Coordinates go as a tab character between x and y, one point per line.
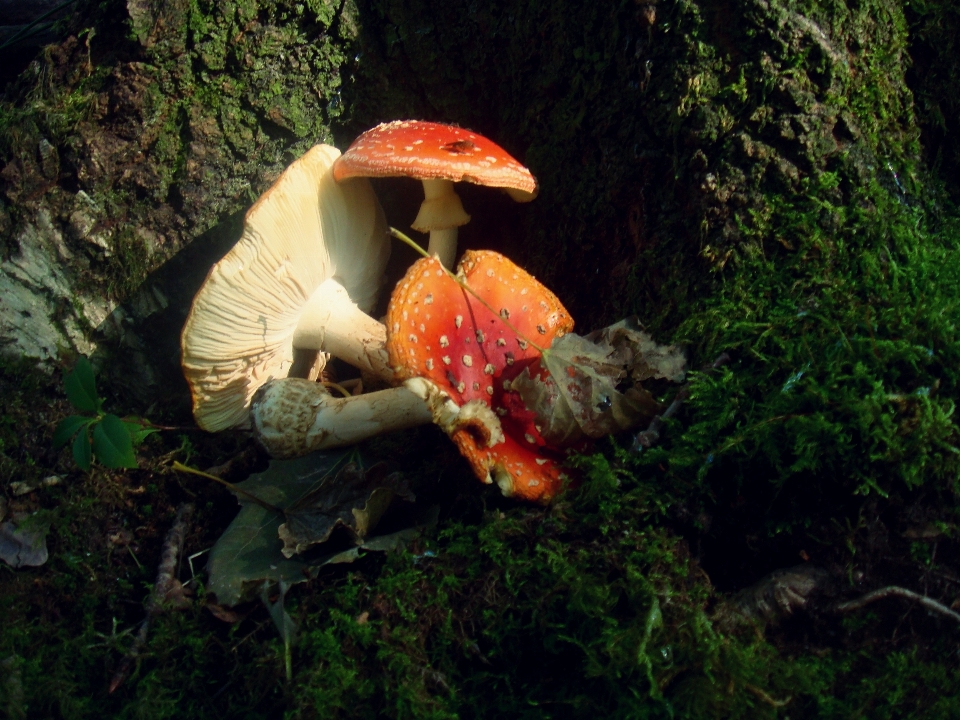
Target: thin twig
894	591
646	439
336	386
177	465
773	702
166	576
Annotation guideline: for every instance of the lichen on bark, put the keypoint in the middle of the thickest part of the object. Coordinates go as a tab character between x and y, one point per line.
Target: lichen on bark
133	147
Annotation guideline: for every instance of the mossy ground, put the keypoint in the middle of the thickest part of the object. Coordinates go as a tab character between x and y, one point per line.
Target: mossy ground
750	177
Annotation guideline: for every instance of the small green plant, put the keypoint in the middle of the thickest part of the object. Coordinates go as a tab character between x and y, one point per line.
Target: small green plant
102	435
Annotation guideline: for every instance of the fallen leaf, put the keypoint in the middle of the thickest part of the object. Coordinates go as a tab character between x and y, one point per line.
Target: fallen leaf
575	390
23	544
224	614
250	551
353	498
643	357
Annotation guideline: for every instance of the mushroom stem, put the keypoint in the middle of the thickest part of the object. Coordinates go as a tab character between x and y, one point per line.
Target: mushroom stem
293	417
443	244
441	213
333	323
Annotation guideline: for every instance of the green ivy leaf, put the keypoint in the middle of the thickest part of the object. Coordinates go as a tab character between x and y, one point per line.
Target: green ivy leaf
67	428
111	443
82	452
81	387
138	431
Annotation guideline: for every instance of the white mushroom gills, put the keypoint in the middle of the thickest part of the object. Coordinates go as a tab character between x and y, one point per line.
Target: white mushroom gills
304	231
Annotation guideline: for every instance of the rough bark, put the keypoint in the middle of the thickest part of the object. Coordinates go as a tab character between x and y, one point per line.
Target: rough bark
118	153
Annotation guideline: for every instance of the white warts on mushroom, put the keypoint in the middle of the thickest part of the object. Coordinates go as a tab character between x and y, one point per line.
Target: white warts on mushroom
294	417
438	155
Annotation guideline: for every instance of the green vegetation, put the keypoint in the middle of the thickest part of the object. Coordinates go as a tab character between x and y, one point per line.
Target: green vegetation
753	186
771	179
103	435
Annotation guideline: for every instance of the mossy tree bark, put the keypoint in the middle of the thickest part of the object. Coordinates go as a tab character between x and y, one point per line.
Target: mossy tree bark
722	169
761	177
151	125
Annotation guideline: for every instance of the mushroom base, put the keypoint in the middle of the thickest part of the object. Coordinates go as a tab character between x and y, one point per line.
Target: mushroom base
293	417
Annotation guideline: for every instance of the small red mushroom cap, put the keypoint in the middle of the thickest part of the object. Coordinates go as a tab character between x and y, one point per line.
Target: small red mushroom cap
438	331
429	150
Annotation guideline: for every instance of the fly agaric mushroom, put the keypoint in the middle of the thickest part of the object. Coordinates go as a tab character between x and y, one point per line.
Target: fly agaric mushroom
297	284
293	417
461	356
439	155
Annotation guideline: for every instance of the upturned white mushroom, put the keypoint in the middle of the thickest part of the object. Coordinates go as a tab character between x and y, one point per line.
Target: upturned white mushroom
296	285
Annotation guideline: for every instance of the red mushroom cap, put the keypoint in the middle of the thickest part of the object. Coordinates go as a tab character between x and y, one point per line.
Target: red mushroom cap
429	150
438	331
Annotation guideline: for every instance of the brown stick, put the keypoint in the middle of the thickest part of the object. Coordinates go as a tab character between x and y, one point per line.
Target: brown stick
894	591
166	575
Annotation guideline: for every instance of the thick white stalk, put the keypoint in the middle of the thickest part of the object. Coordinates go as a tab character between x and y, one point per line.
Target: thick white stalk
443	244
332	322
293	417
441	213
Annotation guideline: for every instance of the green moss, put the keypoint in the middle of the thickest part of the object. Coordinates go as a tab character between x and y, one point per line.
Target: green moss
750	186
218	99
748	177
